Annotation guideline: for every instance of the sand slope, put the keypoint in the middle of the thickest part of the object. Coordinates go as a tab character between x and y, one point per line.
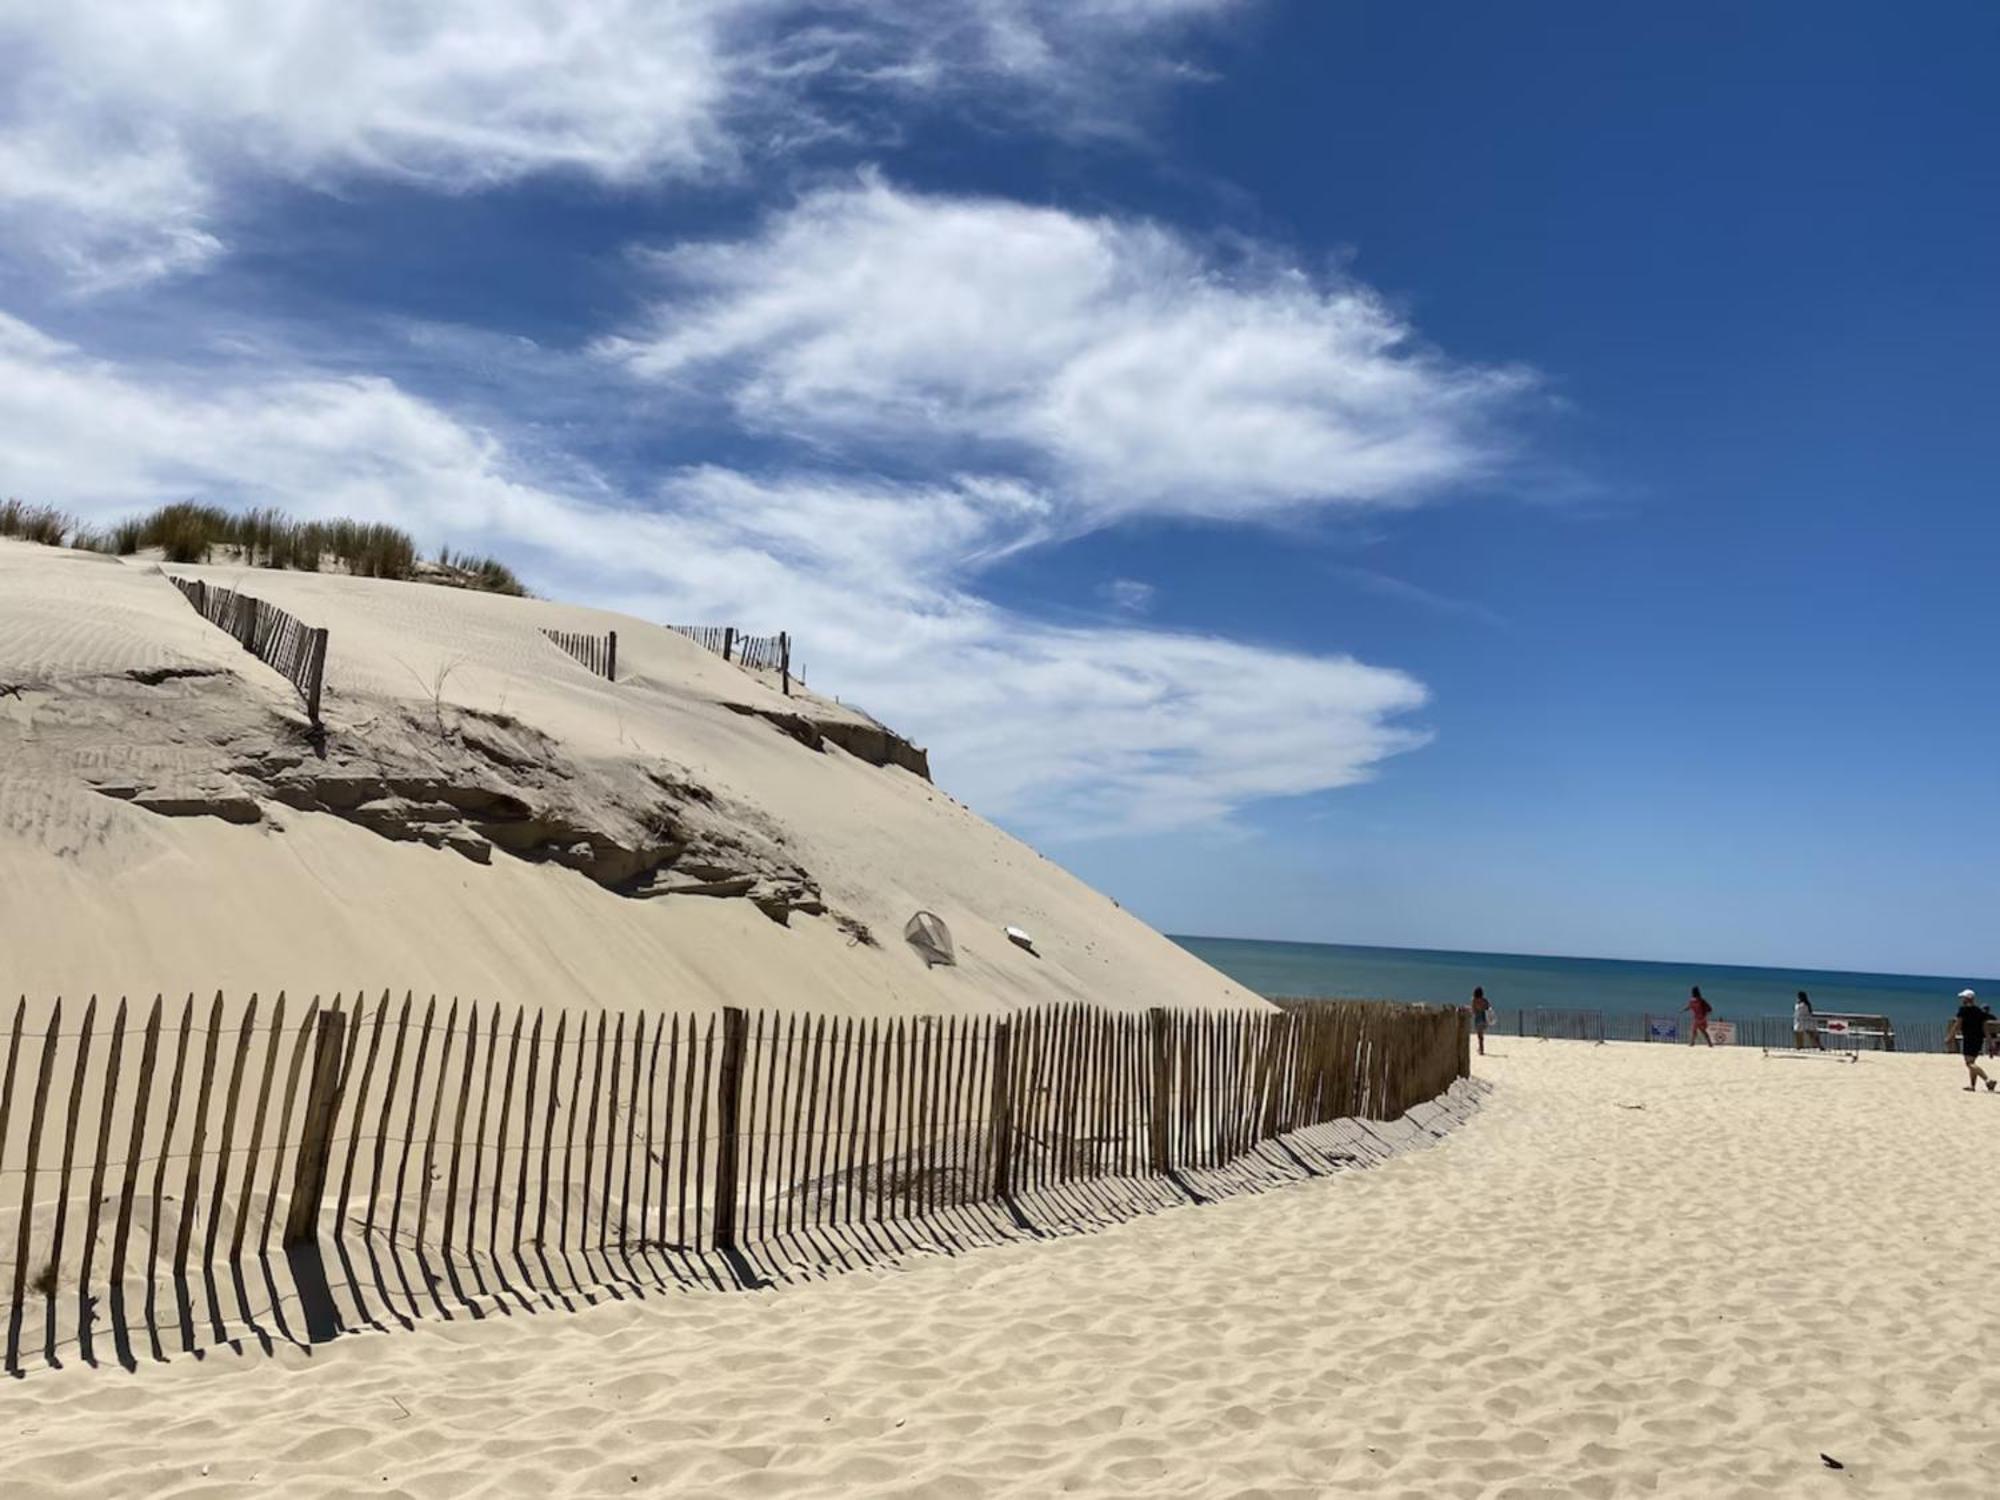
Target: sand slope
1570	1296
440	686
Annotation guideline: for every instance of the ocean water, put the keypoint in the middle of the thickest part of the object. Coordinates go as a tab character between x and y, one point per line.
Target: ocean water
1617	987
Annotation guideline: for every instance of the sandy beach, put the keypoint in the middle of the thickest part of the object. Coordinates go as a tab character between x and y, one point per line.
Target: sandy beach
1636	1271
782	750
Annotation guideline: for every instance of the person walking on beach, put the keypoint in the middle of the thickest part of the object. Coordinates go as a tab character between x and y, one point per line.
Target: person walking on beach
1805	1025
1482	1012
1972	1021
1701	1010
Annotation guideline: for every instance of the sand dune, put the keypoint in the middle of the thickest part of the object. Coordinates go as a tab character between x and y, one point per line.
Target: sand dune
1638	1271
122	713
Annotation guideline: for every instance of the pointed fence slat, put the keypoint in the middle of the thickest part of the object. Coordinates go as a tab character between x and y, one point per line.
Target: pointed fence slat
247	1192
167	1136
191	1189
687	1138
458	1124
631	1135
527	1133
676	1051
790	1173
79	1080
767	1132
861	1046
548	1135
650	1160
699	1140
828	1112
429	1166
383	1118
7	1088
142	1095
409	1136
26	1229
219	1194
569	1124
599	1103
360	1096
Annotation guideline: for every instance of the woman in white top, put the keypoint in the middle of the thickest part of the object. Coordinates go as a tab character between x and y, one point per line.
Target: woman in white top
1805	1025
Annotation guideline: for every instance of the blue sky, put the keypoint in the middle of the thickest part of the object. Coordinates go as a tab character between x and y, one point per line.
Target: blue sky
1515	478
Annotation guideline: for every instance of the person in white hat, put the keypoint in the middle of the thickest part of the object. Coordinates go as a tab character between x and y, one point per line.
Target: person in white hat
1971	1024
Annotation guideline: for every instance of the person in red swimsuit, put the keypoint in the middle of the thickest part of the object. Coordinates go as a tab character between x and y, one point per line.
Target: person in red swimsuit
1701	1010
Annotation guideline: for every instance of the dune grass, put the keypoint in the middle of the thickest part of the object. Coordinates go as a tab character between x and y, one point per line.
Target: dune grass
187	532
190	532
35	523
485	573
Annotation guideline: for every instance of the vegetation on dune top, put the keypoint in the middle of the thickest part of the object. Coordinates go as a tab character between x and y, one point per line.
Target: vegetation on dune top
187	532
34	523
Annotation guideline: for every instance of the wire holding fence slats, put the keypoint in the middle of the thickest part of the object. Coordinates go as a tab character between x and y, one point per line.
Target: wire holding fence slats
279	640
271	1127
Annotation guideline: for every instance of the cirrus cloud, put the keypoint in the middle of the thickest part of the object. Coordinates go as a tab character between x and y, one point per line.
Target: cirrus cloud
1065	728
126	130
1111	360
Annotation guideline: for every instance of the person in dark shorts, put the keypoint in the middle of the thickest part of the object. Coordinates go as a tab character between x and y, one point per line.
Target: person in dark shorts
1482	1012
1701	1010
1973	1020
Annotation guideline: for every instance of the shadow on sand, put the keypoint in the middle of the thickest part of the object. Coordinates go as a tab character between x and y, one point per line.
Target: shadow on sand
364	1279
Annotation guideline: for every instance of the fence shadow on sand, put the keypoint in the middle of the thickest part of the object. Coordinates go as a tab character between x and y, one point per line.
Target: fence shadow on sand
366	1167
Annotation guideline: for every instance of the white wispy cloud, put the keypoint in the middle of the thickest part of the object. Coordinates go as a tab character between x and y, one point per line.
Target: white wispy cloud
1112	361
1388	586
1129	594
126	130
1069	728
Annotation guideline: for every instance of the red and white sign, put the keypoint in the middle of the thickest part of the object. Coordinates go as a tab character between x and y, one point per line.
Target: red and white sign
1724	1032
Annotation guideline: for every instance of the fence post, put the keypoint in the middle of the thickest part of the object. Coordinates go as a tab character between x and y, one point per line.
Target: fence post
611	656
315	672
246	620
785	661
728	640
201	599
316	1138
1464	1045
1162	1082
1002	1109
729	1121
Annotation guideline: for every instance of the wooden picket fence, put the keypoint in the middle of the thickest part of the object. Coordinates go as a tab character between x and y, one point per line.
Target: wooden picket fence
721	639
295	650
597	652
765	653
225	1132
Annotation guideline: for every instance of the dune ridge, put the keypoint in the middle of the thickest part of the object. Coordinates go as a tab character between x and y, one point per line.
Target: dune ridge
481	812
